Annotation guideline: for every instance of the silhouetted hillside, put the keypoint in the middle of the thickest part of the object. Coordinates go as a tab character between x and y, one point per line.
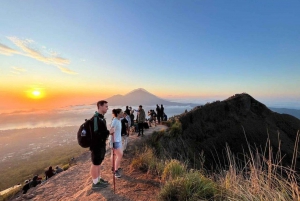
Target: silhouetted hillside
210	127
140	97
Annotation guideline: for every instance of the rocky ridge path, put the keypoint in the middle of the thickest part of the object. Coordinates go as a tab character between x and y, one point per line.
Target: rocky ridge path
75	183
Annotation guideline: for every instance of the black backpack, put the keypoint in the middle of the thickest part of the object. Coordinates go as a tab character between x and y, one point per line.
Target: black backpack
85	133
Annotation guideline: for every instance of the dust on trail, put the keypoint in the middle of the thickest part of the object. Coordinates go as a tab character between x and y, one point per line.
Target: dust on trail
76	182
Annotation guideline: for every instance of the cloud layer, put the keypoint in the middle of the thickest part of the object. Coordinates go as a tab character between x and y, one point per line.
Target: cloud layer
27	49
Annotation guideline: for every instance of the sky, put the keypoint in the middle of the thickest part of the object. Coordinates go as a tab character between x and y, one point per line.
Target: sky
59	53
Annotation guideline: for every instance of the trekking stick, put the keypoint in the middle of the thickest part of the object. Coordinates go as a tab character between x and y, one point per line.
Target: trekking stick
113	163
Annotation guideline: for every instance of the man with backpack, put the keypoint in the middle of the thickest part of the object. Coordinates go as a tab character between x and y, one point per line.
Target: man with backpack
98	144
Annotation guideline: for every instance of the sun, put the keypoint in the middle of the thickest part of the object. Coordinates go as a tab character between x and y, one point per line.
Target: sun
35	93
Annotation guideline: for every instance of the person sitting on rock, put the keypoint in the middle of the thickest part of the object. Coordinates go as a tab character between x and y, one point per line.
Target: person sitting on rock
58	169
35	181
26	187
49	173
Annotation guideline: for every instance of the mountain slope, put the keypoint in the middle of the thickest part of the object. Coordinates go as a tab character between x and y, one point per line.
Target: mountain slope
211	127
140	97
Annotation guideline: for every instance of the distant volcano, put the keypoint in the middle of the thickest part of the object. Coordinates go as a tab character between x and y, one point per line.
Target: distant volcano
141	97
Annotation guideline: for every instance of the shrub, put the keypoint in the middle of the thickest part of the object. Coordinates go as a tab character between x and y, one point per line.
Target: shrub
191	186
65	167
173	170
147	162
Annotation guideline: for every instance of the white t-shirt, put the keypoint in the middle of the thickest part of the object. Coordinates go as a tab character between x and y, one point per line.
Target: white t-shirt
116	123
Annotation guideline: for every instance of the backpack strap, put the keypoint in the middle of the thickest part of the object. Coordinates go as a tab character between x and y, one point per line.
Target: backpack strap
96	115
95	122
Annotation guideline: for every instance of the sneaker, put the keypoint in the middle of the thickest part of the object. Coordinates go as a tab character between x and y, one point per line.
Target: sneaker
103	181
117	174
99	185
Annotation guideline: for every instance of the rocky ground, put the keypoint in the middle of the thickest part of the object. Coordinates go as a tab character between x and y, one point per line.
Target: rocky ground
76	182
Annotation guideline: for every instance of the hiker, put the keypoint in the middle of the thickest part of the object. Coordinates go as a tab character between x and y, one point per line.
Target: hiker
127	110
165	117
49	173
58	169
125	130
140	120
26	187
35	181
132	117
152	118
116	141
158	112
98	145
162	112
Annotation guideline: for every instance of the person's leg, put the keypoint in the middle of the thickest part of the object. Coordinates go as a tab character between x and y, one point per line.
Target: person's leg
140	126
119	154
95	173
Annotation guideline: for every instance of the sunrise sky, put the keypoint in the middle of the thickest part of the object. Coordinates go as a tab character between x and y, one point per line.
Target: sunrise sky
58	53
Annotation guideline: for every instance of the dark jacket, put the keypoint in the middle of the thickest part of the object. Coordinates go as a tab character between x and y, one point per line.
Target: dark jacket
99	137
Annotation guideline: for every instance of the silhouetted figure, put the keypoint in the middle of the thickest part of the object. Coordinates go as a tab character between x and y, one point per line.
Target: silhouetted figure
165	118
58	170
127	110
26	187
49	173
140	120
35	181
162	112
158	112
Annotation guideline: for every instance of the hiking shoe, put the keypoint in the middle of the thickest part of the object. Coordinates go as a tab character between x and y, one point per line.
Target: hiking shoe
103	181
99	185
117	174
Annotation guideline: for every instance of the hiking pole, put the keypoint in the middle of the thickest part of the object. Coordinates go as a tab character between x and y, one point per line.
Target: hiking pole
113	163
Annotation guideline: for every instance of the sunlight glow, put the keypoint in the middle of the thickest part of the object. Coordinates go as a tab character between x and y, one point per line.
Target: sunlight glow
35	94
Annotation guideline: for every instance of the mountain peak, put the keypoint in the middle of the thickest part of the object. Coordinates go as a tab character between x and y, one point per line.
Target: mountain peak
138	90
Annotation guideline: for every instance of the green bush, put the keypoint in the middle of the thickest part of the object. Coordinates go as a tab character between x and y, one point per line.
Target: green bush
148	162
65	167
173	169
191	186
175	129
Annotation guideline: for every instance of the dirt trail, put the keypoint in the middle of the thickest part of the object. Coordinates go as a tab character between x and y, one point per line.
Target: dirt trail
75	183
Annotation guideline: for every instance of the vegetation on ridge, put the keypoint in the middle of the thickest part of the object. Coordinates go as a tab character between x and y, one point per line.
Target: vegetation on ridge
261	177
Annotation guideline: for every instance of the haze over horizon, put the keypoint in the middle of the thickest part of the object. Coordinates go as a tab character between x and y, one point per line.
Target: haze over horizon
56	54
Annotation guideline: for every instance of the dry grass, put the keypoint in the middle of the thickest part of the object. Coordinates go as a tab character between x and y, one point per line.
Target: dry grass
262	177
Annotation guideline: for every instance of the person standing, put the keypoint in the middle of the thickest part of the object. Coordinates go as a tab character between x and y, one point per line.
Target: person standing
127	110
158	112
141	119
116	141
125	130
98	145
162	112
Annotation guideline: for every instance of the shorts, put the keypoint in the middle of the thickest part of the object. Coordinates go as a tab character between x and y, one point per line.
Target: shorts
97	155
117	145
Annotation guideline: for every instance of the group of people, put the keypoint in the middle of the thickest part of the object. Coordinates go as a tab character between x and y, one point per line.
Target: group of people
159	115
121	124
38	180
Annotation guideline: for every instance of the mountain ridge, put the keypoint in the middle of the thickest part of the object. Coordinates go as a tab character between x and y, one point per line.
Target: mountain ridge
141	96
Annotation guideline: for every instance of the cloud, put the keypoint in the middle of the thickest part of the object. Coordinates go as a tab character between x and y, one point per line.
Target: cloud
7	50
66	70
19	69
15	72
28	50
